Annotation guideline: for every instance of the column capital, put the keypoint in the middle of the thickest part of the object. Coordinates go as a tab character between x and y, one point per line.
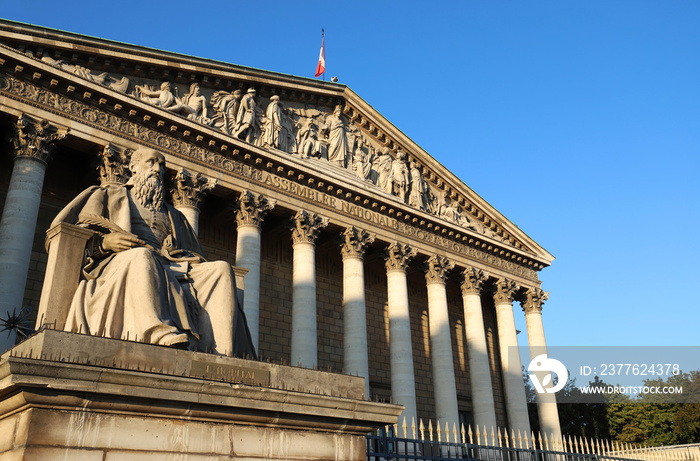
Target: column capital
36	138
437	269
189	188
355	242
534	299
114	165
306	226
398	256
473	281
505	289
252	208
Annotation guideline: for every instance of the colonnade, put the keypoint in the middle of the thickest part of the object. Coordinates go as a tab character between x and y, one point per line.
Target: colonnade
18	225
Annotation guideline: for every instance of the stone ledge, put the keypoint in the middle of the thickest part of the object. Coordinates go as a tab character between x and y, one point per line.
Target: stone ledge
105	375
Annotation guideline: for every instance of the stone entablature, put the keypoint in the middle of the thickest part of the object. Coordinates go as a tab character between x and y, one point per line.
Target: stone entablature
107	64
307	181
298	182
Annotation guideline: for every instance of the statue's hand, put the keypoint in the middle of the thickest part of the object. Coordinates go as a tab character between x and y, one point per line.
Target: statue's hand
119	241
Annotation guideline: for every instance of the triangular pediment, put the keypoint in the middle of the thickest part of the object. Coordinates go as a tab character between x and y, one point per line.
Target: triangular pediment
290	123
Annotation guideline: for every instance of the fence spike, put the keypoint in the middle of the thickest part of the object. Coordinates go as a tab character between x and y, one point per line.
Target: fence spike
493	437
405	428
499	437
447	432
430	429
439	432
520	439
534	444
546	442
421	427
571	447
413	426
505	436
471	439
512	437
478	436
454	433
540	440
464	435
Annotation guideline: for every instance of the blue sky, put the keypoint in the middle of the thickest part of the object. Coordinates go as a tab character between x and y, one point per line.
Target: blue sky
578	120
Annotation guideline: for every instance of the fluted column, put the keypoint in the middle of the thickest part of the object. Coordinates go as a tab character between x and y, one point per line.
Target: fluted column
479	369
403	383
33	142
444	385
516	400
304	335
188	190
251	209
547	402
356	361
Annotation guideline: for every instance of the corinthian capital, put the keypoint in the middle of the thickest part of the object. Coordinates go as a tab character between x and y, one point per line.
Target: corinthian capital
355	242
189	188
114	165
437	269
534	299
473	280
252	208
306	226
398	256
505	289
35	138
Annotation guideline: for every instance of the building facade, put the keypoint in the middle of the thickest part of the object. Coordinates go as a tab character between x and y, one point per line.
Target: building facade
363	253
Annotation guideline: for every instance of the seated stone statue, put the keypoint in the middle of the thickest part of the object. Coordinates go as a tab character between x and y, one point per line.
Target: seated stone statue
145	278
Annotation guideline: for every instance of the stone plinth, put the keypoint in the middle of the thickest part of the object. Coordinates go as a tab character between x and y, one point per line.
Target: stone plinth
70	396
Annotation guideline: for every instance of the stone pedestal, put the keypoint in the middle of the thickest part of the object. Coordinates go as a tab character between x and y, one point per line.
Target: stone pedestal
70	396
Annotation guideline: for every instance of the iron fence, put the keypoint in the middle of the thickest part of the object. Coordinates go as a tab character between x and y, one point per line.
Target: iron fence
383	446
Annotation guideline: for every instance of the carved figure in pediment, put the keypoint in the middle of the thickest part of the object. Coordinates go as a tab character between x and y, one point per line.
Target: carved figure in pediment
399	176
338	142
226	107
163	98
362	163
247	124
198	103
288	139
308	144
420	195
273	123
103	79
382	167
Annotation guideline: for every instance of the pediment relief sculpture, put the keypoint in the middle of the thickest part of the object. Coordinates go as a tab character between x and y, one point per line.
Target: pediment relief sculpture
302	130
121	85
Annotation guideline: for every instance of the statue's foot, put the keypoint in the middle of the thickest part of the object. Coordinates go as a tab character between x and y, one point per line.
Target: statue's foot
178	341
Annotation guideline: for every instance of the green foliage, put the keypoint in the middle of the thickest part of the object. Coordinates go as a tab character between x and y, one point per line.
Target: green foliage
651	419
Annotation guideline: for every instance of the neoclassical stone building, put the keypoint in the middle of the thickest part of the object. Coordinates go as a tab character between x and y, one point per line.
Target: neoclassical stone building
363	253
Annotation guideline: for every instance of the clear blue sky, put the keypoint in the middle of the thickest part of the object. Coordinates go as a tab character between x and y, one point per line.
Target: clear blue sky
578	120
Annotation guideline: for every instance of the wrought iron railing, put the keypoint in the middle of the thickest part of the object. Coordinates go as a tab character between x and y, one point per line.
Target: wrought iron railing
387	445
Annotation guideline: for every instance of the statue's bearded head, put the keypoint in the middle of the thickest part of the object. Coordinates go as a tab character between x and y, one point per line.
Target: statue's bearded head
147	167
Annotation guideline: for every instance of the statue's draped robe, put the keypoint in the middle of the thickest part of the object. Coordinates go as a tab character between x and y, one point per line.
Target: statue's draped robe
338	142
167	294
